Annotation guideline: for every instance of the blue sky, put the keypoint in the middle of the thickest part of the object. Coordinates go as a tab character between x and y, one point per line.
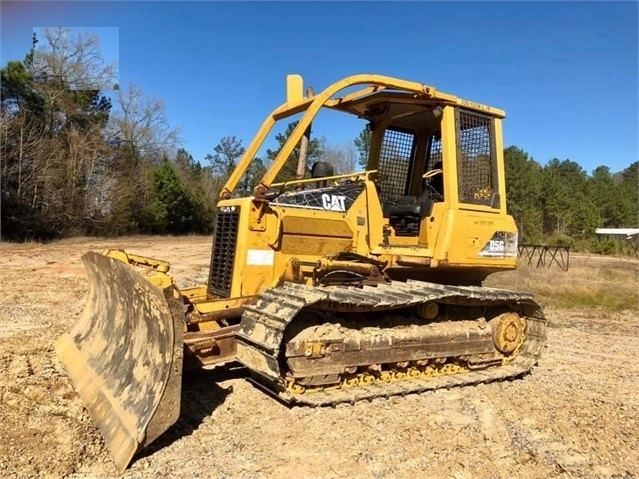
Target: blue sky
565	72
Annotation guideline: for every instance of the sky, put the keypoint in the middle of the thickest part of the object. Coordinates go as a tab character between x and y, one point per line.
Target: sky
566	73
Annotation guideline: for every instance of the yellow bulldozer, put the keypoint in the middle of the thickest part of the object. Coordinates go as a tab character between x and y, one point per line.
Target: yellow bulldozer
328	288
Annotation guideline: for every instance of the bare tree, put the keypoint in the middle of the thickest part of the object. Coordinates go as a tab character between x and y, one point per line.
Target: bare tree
69	163
53	149
140	122
342	156
49	180
72	59
141	136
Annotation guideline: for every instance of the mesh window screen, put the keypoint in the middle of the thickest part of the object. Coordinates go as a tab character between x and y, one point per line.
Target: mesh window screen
475	158
394	163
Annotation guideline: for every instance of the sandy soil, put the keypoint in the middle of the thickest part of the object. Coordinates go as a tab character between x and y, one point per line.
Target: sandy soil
575	415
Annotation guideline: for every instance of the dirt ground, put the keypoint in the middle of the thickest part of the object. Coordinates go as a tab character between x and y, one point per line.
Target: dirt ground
575	415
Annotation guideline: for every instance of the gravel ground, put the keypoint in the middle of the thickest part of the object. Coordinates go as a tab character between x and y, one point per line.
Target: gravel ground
575	415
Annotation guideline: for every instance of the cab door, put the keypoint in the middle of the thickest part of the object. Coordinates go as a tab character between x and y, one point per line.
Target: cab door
432	190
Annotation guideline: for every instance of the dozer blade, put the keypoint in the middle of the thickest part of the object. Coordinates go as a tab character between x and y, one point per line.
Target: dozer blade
124	356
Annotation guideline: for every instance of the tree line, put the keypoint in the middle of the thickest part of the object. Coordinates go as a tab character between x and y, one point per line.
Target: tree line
76	160
560	203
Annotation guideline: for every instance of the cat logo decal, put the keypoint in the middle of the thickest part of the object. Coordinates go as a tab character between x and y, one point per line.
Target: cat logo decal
333	202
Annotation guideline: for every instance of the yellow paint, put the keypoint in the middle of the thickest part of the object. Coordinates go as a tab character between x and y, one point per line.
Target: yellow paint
294	89
271	236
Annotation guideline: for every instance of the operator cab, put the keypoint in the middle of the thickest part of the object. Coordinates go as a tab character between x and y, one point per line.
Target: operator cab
406	150
409	138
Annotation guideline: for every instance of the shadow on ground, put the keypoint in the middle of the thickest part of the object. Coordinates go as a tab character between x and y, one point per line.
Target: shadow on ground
201	395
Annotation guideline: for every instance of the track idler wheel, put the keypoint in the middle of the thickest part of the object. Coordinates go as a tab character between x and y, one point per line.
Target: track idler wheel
508	332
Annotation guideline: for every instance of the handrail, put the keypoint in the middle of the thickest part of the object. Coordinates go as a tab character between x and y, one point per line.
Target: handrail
355	175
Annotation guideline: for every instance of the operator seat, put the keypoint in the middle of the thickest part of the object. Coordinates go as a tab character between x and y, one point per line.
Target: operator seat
405	213
321	169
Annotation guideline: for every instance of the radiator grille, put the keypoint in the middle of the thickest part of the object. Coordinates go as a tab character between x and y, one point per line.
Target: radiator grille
475	158
223	255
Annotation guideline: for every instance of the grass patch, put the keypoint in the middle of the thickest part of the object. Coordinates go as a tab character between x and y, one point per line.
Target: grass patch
590	283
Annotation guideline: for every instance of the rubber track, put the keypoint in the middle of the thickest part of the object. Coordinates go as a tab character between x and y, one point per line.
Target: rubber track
262	330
